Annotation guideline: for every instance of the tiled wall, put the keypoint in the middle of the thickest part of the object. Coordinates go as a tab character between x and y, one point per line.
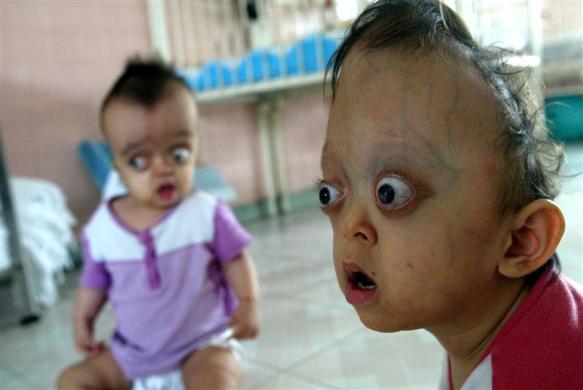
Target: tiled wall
57	58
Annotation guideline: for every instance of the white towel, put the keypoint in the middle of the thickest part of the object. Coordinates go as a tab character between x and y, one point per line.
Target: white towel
46	233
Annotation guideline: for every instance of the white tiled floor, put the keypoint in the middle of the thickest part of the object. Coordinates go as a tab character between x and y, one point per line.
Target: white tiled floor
310	338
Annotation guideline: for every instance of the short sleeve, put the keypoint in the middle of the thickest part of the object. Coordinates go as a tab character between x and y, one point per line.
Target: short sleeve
230	238
93	275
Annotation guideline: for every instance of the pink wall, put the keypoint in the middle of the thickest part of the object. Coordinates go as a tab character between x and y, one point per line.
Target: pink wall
57	58
229	140
303	121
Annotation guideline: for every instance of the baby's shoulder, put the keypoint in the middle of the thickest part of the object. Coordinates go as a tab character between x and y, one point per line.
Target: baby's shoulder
199	204
199	197
193	222
196	211
103	237
99	222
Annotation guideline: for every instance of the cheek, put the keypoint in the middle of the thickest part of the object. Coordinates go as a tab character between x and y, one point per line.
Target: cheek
458	264
420	284
186	174
489	168
413	247
419	264
135	182
339	247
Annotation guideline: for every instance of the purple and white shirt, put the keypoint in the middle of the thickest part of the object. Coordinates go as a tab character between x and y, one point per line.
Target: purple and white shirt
165	283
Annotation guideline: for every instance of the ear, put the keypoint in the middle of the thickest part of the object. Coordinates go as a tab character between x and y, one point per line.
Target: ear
536	230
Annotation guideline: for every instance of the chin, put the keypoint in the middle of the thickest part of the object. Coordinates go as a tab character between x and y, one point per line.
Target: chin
380	324
163	204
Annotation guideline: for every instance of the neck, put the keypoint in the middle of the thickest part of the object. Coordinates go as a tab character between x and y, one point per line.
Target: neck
467	343
136	214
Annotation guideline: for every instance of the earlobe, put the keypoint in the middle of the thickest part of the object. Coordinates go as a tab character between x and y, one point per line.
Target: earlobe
536	231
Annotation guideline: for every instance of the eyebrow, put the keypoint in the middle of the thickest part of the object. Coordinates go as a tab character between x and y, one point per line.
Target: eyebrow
185	133
419	153
130	146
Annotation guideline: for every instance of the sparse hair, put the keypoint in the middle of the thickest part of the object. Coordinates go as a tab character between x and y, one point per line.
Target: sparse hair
143	81
533	159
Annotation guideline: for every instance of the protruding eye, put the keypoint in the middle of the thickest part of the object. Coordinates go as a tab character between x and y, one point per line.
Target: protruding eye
139	163
328	194
180	154
393	192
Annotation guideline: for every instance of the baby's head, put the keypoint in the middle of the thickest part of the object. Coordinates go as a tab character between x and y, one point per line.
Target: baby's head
438	173
149	118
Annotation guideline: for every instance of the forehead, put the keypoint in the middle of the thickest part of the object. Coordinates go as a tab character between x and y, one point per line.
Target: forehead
126	121
426	105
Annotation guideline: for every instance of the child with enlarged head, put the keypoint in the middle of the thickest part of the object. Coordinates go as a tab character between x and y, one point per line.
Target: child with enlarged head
438	175
170	259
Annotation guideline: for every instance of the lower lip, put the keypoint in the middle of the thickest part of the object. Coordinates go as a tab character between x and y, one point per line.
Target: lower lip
167	194
356	296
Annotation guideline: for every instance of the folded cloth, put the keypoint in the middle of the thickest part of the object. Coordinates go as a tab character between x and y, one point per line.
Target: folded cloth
46	234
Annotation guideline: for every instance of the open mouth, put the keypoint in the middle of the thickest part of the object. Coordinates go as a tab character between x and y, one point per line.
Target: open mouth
357	278
361	287
166	191
362	281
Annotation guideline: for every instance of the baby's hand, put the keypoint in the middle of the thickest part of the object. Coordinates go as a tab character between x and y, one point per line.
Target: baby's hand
245	320
84	339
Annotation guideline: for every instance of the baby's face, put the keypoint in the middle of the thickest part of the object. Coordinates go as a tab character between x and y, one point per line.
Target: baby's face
411	182
154	148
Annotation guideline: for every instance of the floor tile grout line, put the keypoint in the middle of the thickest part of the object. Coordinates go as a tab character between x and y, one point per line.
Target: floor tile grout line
264	364
307	286
287	369
310	380
18	375
276	370
257	385
320	350
296	299
282	371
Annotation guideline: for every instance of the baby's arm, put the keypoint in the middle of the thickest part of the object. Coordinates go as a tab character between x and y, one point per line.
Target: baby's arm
88	304
241	276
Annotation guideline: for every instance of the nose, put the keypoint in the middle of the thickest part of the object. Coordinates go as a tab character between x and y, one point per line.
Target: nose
358	228
161	167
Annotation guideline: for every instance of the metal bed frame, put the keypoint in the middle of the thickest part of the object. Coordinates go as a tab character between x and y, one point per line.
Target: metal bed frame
22	308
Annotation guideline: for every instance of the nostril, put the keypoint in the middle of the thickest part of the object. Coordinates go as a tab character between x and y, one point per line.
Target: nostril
366	235
361	236
358	229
